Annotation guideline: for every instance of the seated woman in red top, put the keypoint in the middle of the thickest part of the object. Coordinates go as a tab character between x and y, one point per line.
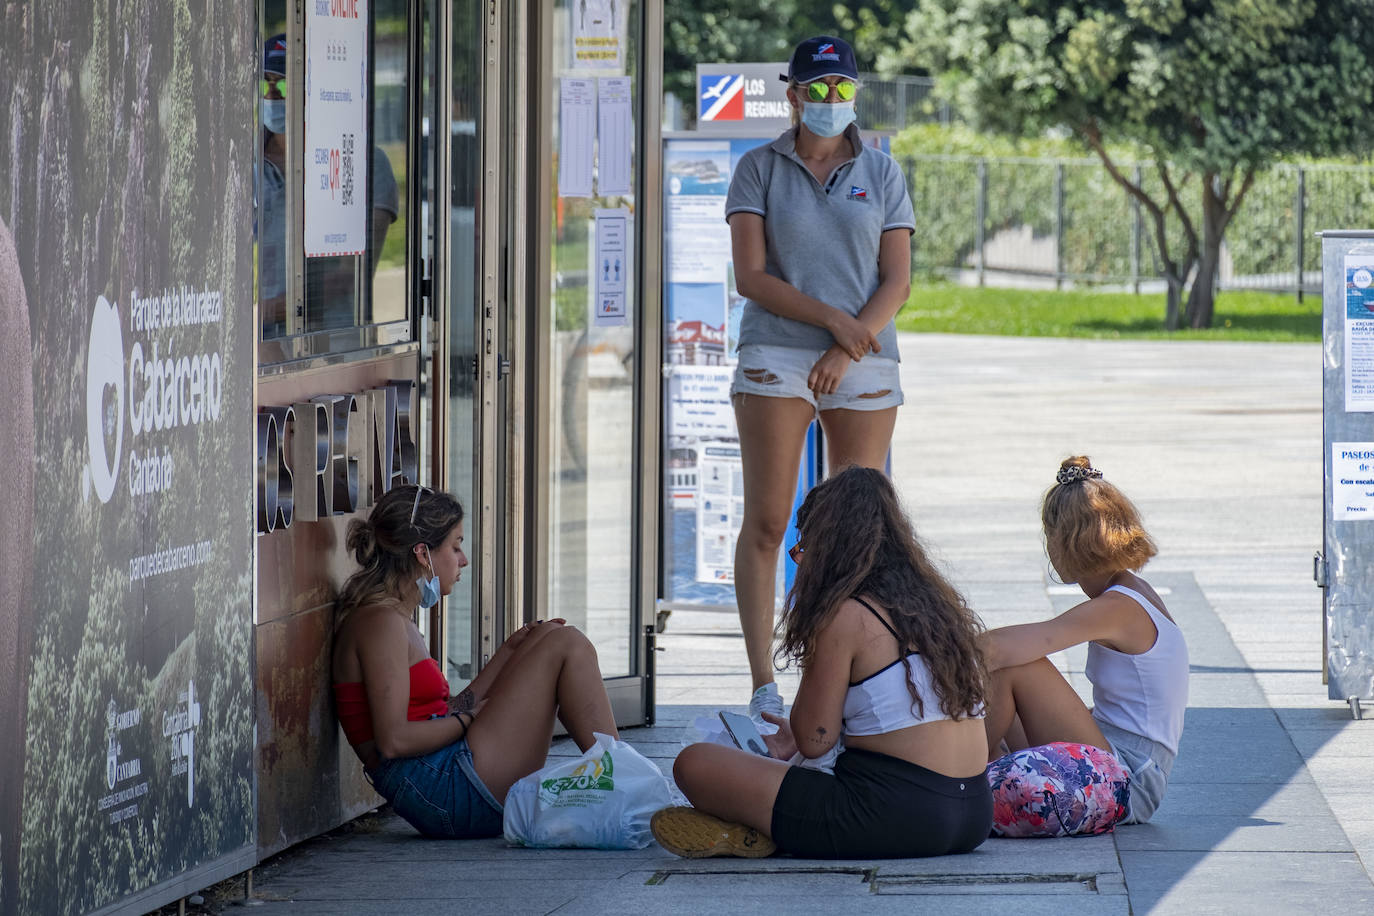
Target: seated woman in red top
446	763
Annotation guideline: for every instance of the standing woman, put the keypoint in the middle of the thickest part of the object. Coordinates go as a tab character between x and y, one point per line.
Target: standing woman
889	657
446	763
1137	658
821	229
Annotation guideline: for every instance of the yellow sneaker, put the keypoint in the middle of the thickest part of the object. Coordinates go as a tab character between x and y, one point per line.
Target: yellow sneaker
694	834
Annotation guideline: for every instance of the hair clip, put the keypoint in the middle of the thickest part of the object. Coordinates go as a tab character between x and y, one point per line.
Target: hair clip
1074	473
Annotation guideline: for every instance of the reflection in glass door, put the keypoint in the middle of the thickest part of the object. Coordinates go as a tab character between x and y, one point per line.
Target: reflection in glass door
459	116
591	530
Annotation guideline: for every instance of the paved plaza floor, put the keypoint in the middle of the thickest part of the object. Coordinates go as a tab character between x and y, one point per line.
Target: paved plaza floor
1220	444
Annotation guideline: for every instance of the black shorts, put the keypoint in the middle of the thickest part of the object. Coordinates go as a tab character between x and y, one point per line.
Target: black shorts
880	807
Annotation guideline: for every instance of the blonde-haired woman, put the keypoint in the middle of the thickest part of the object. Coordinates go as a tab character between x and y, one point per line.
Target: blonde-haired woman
820	227
1137	657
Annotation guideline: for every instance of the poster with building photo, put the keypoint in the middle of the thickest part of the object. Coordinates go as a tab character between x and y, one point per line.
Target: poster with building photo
126	377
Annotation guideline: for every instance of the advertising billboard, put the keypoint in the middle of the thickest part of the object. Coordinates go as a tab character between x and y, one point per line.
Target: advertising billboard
126	376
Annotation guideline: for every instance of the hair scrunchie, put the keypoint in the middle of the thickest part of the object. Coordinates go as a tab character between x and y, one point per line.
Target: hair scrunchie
1074	473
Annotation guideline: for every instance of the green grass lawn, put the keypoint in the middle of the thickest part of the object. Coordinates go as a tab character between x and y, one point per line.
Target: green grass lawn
947	309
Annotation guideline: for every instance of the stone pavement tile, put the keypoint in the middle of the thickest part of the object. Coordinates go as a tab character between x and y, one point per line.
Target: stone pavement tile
1299	796
1191	884
1231	833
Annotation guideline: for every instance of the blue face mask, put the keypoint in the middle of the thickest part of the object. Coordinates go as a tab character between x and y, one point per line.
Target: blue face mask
825	119
274	115
429	588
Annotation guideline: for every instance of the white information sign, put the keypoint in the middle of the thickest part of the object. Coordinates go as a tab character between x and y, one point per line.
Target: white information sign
699	402
720	510
576	137
1352	481
337	147
597	27
614	135
698	179
1359	333
612	265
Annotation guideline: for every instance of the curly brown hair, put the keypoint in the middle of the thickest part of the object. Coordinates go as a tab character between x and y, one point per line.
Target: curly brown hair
382	542
1091	528
858	541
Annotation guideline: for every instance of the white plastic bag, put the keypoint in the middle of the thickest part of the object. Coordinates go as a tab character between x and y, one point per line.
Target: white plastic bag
600	800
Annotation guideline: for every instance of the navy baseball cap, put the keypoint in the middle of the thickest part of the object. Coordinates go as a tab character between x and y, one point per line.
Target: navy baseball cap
821	56
274	55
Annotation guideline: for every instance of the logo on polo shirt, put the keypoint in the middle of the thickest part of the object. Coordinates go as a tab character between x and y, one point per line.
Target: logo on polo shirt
826	52
857	193
721	97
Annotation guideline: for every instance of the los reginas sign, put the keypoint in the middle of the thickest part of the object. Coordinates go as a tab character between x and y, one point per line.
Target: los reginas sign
742	99
333	454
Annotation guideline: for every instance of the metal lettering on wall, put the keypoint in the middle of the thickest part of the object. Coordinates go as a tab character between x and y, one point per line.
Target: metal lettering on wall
334	454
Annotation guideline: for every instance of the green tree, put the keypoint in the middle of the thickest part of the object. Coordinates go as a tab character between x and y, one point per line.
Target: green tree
1213	89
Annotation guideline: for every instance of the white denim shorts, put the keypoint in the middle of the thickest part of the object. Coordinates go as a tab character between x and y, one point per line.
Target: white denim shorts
873	383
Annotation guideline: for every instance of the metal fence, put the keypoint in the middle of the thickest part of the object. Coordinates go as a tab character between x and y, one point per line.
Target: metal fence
889	103
1067	221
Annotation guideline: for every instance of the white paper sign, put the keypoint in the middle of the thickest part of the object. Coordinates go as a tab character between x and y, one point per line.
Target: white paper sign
596	31
577	134
699	402
337	147
720	510
1359	333
1352	481
612	267
614	135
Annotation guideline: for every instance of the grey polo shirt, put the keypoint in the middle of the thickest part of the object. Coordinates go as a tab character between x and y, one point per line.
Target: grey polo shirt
821	238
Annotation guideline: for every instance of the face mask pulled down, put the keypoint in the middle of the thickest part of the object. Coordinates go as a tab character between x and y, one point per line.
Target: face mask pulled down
429	588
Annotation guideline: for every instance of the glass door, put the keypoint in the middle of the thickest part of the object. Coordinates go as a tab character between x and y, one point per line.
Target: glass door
457	116
592	563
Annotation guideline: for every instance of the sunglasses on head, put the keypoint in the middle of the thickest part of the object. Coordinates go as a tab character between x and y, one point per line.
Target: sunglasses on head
819	90
416	506
278	84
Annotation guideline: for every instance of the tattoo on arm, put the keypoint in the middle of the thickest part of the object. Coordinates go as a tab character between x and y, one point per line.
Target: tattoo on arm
819	737
465	701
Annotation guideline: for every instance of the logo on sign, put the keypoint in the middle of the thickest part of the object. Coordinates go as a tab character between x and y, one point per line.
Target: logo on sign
721	98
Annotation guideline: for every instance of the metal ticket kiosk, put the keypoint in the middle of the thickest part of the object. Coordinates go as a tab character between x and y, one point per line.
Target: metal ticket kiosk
1343	568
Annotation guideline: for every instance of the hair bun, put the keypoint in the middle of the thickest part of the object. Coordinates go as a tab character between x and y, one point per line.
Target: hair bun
362	540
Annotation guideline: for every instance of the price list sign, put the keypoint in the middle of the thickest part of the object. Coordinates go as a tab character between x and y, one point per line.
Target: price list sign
335	127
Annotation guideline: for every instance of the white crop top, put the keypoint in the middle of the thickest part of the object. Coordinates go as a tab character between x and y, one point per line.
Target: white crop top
1145	694
881	702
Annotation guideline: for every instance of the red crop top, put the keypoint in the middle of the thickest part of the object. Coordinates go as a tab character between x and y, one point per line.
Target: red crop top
428	698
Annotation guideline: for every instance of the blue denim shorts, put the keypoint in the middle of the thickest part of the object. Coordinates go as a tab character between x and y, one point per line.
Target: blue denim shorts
1150	764
439	794
781	372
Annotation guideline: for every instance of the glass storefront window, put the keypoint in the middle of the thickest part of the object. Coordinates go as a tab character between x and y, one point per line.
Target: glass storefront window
370	285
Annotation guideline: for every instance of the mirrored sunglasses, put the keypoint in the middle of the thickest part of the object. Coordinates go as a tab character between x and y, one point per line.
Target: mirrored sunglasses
277	84
819	90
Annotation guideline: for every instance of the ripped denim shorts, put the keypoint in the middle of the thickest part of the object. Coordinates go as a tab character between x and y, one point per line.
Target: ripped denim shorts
873	383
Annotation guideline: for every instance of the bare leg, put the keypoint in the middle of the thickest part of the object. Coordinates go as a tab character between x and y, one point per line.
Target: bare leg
731	784
1047	707
510	737
858	437
771	434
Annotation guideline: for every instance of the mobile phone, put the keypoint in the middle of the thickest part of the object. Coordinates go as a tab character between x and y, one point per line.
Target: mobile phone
743	732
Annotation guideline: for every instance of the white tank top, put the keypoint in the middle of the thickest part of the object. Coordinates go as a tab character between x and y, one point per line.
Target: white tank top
1147	693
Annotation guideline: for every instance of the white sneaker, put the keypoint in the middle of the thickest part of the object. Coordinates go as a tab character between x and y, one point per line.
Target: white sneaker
765	699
